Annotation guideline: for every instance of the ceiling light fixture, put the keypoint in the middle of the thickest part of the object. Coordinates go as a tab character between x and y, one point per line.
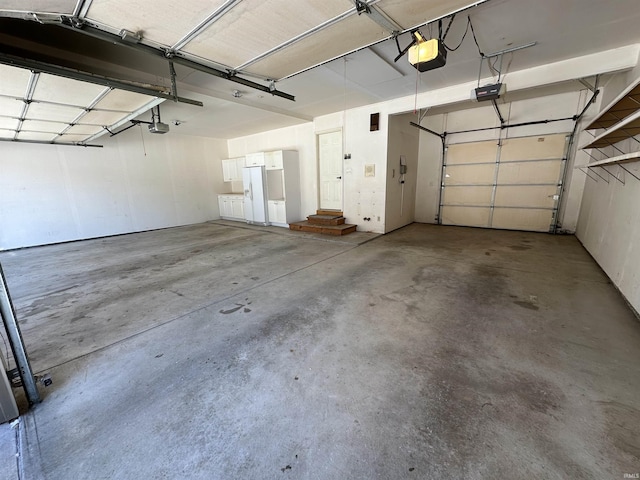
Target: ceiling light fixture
427	54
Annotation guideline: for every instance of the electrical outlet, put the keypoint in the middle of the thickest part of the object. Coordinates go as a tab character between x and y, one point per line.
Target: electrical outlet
370	170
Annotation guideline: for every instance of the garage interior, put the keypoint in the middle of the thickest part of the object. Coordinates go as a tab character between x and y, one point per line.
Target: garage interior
482	320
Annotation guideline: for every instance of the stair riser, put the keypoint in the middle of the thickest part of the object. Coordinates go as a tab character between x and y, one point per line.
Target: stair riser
333	221
324	231
334	213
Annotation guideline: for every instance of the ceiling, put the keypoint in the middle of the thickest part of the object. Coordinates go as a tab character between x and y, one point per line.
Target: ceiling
323	52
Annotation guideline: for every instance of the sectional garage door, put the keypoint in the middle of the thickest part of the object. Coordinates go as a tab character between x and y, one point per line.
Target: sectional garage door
511	183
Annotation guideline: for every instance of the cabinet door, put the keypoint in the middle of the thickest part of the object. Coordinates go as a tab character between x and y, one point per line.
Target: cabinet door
240	164
229	170
228	207
277	212
254	159
237	207
273	160
221	206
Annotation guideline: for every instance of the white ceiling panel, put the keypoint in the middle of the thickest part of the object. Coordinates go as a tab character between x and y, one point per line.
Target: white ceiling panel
84	130
8	123
40	126
162	21
123	101
366	68
7	133
36	136
66	90
353	33
40	6
14	81
410	13
97	117
256	26
54	113
11	107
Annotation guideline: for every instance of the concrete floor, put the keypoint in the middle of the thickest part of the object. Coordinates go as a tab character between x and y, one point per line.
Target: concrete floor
217	352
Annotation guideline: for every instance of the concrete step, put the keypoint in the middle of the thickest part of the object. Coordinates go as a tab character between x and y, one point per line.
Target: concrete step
325	219
337	230
334	213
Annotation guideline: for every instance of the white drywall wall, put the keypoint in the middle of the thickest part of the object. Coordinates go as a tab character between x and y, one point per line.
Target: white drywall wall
609	221
401	197
51	194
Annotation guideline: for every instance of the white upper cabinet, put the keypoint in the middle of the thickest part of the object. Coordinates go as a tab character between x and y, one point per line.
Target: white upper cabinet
254	159
232	169
273	160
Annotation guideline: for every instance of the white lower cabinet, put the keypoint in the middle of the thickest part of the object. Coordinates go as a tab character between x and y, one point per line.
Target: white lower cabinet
277	212
231	207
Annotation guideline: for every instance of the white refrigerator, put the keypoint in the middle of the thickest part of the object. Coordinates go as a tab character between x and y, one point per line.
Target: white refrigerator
255	195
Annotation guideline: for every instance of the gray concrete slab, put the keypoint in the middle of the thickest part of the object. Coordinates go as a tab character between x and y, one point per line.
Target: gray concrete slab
8	451
430	352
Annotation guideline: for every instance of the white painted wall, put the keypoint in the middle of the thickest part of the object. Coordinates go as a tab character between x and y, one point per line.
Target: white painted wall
51	194
403	141
609	222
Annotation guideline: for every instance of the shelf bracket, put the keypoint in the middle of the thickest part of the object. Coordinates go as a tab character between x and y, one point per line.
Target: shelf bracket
614	176
629	172
593	170
585	170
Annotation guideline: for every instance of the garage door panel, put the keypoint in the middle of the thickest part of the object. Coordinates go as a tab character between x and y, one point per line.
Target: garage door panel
533	148
476	152
530	172
526	196
467	196
513	185
466	216
469	174
522	219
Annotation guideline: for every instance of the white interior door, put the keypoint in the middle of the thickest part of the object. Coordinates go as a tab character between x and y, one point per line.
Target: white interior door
330	166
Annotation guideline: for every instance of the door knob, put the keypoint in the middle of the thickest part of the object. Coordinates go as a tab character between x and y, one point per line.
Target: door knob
339	178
